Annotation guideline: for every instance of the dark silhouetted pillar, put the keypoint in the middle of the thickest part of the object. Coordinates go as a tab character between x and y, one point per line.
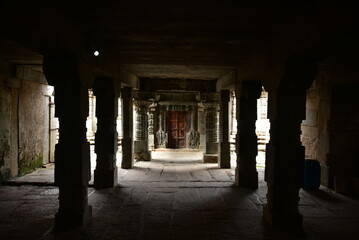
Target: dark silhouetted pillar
72	153
246	145
223	146
106	138
285	153
127	121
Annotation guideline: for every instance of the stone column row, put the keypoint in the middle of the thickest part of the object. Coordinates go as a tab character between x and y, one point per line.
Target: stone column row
285	153
72	153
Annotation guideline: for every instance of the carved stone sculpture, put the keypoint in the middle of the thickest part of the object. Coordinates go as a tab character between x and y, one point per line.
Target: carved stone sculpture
161	138
194	139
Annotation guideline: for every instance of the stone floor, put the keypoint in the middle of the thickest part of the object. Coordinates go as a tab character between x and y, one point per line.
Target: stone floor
166	200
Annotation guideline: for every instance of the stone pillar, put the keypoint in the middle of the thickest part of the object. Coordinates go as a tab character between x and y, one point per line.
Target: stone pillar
151	126
223	146
285	153
194	136
141	131
72	153
161	134
106	137
246	145
211	155
127	121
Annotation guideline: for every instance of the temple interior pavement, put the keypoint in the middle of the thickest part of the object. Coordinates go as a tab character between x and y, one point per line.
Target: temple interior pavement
169	199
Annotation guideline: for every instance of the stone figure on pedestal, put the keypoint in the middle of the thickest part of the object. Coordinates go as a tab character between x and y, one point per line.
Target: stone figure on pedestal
194	139
161	138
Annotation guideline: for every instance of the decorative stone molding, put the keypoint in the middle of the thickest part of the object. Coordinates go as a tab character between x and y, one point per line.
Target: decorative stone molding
141	108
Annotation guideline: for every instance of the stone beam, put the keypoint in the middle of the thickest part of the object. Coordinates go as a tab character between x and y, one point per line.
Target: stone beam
128	79
319	36
227	82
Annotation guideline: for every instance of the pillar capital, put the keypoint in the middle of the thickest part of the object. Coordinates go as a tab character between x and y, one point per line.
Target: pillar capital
106	86
67	70
248	89
141	105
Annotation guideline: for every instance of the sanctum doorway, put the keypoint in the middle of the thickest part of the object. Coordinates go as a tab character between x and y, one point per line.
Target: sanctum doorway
177	129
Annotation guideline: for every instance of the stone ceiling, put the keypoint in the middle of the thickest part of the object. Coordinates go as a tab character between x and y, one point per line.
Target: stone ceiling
182	39
157	39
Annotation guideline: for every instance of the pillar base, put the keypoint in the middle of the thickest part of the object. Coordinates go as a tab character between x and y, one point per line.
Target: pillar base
210	158
246	179
105	178
289	222
65	221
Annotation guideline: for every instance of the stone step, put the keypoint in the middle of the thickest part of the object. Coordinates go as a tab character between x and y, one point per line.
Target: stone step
177	155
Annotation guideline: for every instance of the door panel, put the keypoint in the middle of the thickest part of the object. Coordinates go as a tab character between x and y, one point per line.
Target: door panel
177	124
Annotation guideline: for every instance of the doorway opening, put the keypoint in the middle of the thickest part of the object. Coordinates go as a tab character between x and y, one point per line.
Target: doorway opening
177	129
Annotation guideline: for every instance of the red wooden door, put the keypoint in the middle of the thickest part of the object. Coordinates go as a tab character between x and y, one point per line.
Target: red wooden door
177	129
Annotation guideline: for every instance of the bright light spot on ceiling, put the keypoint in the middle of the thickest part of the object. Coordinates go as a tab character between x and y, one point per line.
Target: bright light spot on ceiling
96	53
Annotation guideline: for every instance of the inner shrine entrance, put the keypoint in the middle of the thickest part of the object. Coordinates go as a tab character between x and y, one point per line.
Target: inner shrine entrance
177	129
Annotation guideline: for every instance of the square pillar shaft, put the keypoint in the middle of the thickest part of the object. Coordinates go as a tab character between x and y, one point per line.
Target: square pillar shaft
106	139
246	145
127	122
72	153
284	152
224	146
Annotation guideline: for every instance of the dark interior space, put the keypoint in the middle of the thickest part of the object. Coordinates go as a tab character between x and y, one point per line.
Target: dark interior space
138	119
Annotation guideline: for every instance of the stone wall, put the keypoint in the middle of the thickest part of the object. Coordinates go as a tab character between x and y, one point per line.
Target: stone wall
24	125
5	130
33	125
315	132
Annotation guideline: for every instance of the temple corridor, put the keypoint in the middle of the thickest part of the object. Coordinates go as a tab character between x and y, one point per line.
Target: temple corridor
173	119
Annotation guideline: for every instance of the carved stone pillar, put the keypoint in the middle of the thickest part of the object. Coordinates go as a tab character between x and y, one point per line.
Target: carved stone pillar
105	174
285	153
127	121
141	131
161	134
151	126
246	144
211	155
194	136
72	153
224	147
